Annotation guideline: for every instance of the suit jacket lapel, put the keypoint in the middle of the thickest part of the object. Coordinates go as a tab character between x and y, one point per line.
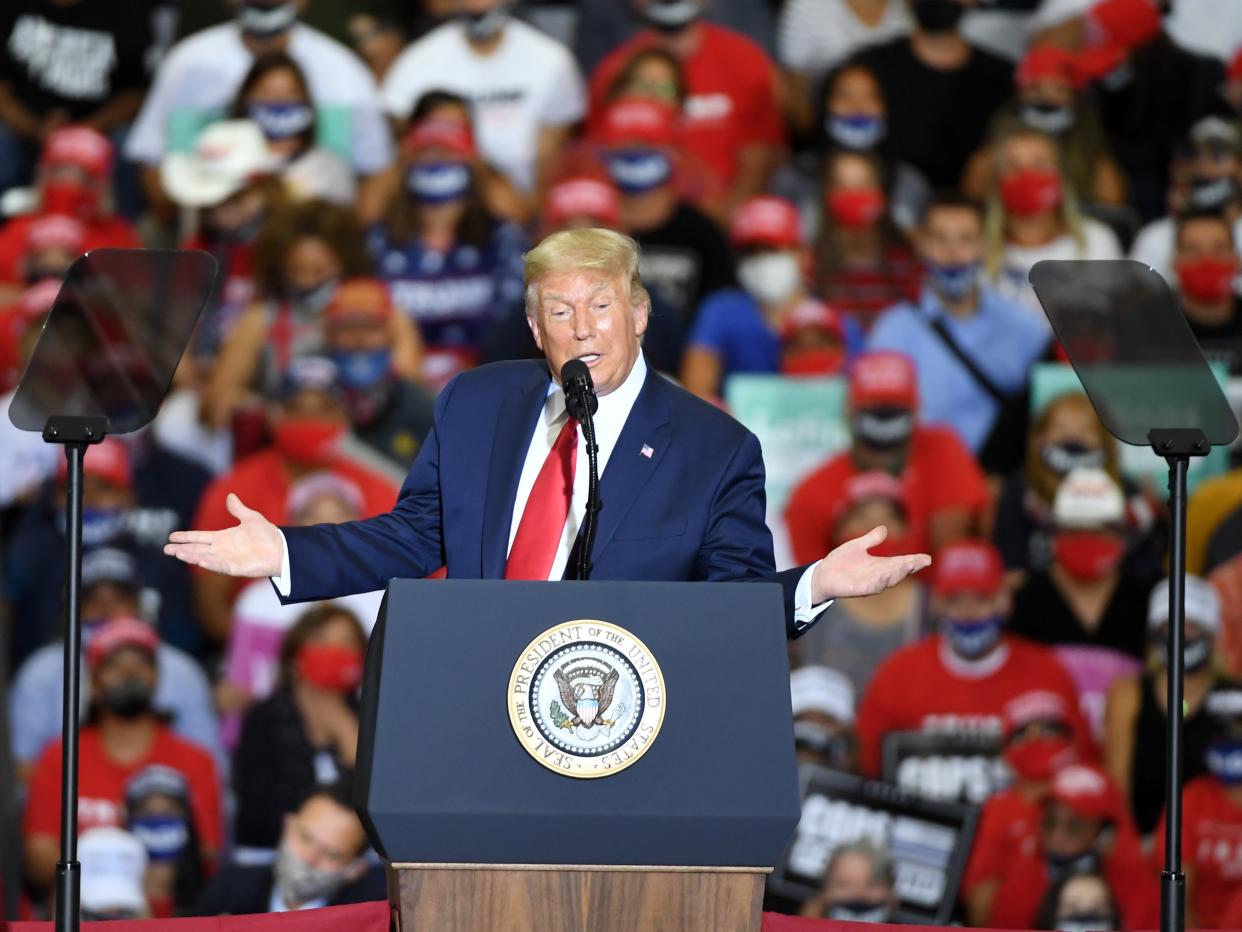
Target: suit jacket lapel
515	424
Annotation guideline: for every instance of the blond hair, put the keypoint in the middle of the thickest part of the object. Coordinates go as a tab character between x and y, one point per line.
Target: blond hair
596	249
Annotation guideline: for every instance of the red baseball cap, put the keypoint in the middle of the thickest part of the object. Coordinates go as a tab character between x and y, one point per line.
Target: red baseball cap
120	632
766	221
867	486
443	132
582	197
638	119
359	297
109	460
1130	24
1234	71
82	146
53	231
883	378
968	566
812	314
1088	791
1038	705
1047	61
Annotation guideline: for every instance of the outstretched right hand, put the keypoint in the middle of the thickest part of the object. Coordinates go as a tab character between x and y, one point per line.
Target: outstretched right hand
253	548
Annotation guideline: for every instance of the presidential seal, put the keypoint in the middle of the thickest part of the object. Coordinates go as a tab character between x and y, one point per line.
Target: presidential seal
586	699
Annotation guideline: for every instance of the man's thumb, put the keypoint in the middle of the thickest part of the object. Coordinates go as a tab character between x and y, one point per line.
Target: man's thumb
874	537
237	509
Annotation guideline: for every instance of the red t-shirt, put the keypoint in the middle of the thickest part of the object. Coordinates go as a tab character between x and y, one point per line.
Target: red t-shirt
940	475
103	232
1007	823
922	687
1212	846
731	98
101	785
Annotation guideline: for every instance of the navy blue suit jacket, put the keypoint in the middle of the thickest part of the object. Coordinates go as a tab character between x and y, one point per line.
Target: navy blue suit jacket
692	510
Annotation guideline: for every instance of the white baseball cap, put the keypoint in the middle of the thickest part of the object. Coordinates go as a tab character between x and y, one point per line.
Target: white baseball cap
1202	604
227	156
821	689
1088	498
113	864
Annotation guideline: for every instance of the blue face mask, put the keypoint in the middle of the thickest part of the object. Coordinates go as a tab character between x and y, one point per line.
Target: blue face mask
99	525
971	640
1224	760
282	120
856	131
637	171
438	182
953	282
361	369
164	836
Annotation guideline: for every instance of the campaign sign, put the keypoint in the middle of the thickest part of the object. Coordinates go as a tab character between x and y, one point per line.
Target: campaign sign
928	841
947	766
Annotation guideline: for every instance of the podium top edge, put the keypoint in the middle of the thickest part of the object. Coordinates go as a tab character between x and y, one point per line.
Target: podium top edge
624	868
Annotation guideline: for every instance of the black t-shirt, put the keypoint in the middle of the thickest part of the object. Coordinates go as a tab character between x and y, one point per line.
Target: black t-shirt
937	119
401	425
685	260
1041	613
1222	342
74	57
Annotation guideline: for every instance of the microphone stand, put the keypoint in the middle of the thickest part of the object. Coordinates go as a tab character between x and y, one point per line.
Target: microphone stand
593	504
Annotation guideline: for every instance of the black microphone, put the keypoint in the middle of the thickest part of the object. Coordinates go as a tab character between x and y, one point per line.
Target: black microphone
580	399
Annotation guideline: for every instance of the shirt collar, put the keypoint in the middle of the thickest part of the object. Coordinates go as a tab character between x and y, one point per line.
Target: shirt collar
932	306
616	404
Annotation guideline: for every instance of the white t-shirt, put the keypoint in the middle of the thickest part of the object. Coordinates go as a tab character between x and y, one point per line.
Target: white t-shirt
814	36
1008	32
1155	244
1209	27
1012	282
530	81
199	78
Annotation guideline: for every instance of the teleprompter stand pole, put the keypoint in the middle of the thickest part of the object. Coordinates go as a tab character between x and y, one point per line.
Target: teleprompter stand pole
75	434
1176	445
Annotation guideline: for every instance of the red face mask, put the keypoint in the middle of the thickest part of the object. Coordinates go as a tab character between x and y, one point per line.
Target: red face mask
330	666
856	208
1208	278
1087	556
70	200
1031	191
826	361
1039	758
308	440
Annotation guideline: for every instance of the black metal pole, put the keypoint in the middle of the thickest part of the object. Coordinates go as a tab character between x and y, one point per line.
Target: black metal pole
68	870
593	504
1172	880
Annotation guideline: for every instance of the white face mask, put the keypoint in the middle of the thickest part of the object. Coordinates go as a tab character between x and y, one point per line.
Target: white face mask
771	277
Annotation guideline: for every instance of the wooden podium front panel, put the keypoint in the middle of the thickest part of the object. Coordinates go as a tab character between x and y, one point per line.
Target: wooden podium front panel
570	898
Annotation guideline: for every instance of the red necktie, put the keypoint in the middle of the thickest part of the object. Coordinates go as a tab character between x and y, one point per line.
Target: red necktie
543	522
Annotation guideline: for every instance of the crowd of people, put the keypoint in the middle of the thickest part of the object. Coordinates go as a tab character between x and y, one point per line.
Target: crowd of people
841	189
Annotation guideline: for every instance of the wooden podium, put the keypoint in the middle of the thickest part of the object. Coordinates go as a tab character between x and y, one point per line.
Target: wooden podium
569	898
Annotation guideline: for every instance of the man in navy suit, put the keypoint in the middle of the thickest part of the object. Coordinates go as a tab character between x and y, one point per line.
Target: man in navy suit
499	486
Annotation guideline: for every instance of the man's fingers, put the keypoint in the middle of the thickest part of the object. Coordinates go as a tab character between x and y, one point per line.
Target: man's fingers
191	537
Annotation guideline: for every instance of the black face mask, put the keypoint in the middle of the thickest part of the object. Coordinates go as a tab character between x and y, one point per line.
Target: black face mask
833	748
128	699
671	15
883	428
938	15
1062	865
1196	653
1213	193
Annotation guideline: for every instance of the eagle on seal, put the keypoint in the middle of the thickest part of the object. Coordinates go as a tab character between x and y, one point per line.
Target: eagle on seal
586	702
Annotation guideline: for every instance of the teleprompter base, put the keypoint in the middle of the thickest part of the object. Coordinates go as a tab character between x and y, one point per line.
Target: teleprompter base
570	898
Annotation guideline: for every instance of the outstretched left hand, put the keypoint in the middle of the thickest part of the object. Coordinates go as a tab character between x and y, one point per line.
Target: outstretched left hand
850	570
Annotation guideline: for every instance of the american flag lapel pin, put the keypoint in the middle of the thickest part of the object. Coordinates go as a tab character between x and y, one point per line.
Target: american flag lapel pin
646	450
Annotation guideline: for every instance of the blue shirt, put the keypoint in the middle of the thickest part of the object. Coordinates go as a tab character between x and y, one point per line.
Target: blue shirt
1002	338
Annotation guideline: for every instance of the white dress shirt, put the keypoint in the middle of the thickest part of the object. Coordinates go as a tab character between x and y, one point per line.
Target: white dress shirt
614	409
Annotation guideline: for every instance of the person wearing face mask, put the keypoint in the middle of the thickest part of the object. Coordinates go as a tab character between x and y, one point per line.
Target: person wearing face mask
526	87
73	180
1206	263
1050	98
945	493
1136	720
958	316
112	587
1083	826
305	734
959	679
123	734
685	255
859	886
453	266
733	114
319	862
199	78
159	813
739	330
859	634
1037	741
1078	902
823	715
310	428
1207	178
862	263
